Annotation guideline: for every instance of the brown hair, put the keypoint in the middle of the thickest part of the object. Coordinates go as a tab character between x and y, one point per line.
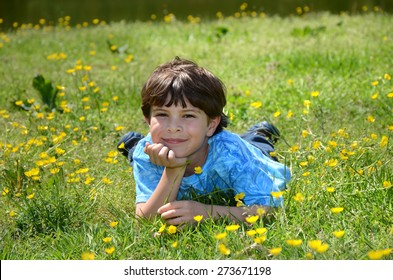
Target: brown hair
182	79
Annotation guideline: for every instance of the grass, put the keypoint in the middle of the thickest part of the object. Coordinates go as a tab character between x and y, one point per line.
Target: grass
324	80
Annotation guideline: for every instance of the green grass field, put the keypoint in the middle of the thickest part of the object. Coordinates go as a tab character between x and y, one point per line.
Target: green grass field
70	92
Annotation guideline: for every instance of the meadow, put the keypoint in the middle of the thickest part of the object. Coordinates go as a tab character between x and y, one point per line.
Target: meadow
70	90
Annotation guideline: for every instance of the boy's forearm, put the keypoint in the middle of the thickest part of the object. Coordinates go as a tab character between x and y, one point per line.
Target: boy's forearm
166	191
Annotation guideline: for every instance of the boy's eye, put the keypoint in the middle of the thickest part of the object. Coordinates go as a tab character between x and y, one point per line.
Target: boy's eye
160	115
189	116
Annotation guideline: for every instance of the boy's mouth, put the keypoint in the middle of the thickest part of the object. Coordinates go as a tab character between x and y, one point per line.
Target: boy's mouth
173	140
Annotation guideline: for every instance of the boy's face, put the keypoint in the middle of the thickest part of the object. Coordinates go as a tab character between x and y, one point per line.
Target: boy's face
183	130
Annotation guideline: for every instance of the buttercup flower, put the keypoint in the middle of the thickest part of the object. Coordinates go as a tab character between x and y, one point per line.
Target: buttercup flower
197	170
198	218
232	227
294	242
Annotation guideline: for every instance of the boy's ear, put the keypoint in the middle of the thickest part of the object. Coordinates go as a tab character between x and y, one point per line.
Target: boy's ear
213	125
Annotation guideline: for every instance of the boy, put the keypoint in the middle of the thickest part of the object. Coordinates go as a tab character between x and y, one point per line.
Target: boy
188	155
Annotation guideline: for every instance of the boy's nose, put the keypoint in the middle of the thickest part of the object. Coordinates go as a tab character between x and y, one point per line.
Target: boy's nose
174	125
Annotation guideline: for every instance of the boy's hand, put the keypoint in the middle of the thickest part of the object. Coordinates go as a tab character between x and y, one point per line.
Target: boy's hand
162	155
182	211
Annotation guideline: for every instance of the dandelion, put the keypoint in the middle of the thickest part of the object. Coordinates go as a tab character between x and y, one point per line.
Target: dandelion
252	219
277	194
107	181
315	93
277	114
54	171
318	246
220	236
224	250
113	224
298	197
30	196
339	233
88	256
387	184
370	119
275	251
374	83
107	239
12	213
256	104
378	254
162	228
384	141
110	250
305	133
260	239
251	232
289	114
32	172
294	242
390	94
330	189
261	230
198	218
331	162
172	229
374	96
316	144
197	170
387	77
175	244
294	149
336	210
232	227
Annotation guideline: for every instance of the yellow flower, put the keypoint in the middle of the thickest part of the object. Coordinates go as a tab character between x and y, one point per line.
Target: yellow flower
197	170
294	242
275	251
198	218
339	233
318	246
32	172
113	224
277	194
384	141
277	114
336	210
294	148
175	244
239	196
387	184
224	250
12	213
387	77
315	93
88	256
261	230
30	196
232	227
379	254
172	229
261	211
110	250
220	236
256	104
251	232
162	228
107	239
330	189
298	197
370	119
305	133
252	219
331	162
260	239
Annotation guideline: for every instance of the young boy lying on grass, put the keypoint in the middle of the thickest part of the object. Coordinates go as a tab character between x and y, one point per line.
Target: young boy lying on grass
188	153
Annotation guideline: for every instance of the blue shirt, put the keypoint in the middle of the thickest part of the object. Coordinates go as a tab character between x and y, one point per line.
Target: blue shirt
232	165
